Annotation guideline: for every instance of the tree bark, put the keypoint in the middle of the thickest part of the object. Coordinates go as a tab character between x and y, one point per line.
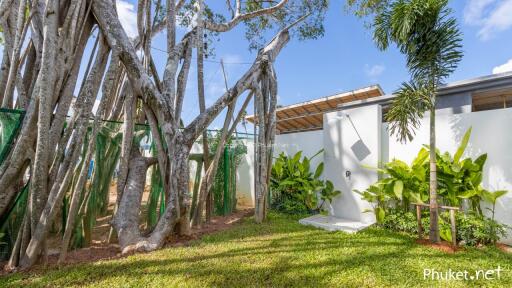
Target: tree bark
65	174
434	210
44	94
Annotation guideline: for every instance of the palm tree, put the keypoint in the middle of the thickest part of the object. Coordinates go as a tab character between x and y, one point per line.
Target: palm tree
428	35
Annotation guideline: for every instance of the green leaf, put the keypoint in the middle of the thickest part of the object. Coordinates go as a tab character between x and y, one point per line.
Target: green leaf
476	179
319	170
462	146
421	158
379	214
415	197
398	189
468	194
287	182
480	161
374	168
492	197
500	193
445	234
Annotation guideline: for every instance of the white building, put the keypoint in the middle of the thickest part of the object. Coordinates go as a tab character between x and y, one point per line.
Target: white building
351	129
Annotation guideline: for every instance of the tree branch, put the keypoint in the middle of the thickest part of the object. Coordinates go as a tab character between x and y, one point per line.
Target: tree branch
266	55
223	27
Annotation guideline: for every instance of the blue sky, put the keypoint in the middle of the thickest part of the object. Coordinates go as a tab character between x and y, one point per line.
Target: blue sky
346	57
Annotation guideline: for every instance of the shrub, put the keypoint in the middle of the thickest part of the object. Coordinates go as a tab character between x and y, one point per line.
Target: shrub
458	179
295	189
399	221
472	229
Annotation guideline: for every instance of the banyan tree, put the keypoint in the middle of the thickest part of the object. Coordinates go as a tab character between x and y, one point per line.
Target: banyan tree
54	139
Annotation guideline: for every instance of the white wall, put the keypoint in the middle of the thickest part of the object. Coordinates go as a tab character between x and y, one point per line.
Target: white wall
245	177
352	139
491	134
309	143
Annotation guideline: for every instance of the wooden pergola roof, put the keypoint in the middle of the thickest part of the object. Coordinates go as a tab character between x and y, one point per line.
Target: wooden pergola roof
308	116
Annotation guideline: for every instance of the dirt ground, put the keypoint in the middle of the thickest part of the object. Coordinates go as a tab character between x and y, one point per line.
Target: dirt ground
442	246
101	250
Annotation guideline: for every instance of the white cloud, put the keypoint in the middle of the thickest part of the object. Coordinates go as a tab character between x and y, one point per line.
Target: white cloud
490	16
128	17
374	71
503	68
474	10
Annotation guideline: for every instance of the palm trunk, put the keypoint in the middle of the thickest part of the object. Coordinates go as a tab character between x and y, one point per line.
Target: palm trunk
434	212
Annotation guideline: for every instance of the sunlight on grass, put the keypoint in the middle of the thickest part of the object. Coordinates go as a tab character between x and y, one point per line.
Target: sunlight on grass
279	253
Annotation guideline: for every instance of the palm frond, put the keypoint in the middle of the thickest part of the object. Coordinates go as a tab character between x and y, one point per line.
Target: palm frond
411	102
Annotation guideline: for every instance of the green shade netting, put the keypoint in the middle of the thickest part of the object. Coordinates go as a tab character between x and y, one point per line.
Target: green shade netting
10	124
224	186
101	172
102	176
156	199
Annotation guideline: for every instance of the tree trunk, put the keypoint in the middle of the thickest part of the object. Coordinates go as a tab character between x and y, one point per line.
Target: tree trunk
42	69
203	201
44	91
434	210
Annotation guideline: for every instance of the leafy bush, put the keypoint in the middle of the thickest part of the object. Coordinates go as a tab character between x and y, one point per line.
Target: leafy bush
472	229
475	229
400	221
295	189
458	179
404	185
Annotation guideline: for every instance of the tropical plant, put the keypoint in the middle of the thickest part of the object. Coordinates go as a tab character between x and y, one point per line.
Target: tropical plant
376	195
425	32
403	185
458	179
492	198
328	193
294	188
472	229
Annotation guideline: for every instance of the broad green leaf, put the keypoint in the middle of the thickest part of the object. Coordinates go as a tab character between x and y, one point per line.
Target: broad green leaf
476	179
444	230
329	186
296	157
445	234
421	158
462	146
467	194
379	214
500	193
480	161
492	197
374	168
319	170
416	197
398	189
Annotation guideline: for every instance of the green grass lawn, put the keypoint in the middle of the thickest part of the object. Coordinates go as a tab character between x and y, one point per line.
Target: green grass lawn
280	253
